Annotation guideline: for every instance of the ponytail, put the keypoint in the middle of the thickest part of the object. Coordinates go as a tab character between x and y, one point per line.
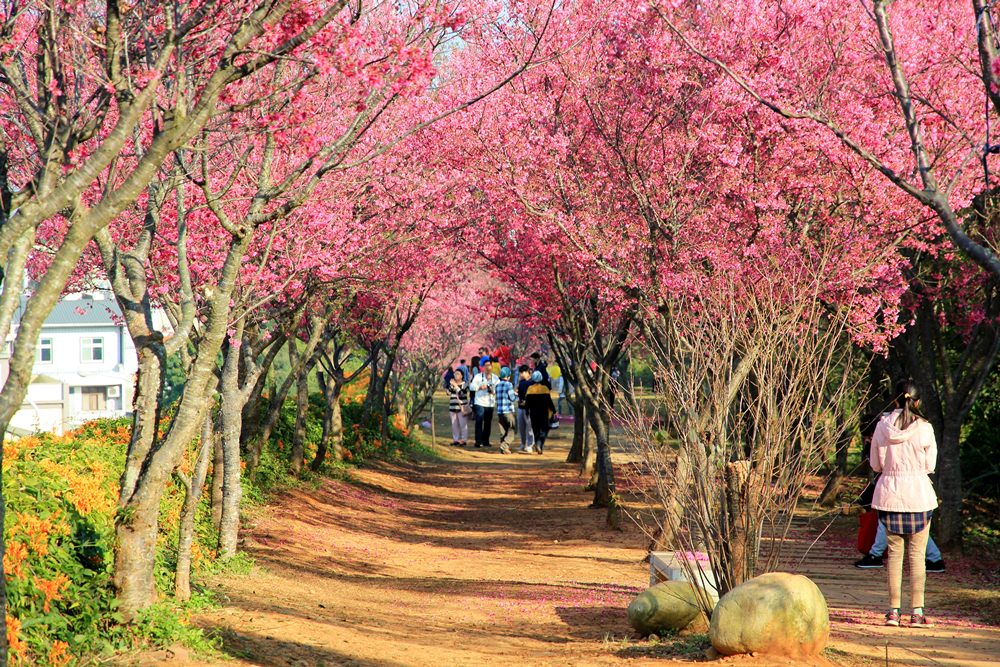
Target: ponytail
907	397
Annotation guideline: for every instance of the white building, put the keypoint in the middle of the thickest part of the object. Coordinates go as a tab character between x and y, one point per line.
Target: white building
85	366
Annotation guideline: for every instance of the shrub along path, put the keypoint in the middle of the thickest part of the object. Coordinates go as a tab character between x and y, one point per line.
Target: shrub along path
483	559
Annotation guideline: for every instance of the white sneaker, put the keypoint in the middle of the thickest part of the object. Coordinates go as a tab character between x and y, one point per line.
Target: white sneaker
554	424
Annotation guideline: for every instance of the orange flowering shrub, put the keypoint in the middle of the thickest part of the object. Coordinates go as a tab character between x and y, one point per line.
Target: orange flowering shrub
50	589
58	654
356	391
14	634
59	540
14	555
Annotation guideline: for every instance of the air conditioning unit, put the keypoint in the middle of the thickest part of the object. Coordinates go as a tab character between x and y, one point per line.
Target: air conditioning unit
115	391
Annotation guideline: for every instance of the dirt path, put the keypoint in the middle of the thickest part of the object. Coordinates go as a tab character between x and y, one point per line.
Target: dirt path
856	599
483	559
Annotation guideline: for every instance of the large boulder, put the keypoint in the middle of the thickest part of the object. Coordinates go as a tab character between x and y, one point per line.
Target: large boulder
776	613
669	605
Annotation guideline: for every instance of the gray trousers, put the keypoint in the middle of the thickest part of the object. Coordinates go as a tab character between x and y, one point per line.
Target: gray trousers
524	429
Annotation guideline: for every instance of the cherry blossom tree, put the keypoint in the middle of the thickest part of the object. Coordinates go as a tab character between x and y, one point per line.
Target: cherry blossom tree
645	173
96	97
912	95
935	62
244	211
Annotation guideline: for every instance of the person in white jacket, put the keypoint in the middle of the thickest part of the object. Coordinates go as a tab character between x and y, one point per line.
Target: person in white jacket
484	386
905	452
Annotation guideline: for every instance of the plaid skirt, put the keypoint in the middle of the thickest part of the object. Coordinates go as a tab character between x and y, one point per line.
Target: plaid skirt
904	523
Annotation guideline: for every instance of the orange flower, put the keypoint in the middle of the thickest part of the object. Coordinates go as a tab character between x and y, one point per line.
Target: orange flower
196	552
88	492
50	589
58	655
185	465
11	448
14	642
13	557
36	529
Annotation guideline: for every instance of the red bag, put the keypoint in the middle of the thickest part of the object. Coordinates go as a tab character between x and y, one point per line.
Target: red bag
867	527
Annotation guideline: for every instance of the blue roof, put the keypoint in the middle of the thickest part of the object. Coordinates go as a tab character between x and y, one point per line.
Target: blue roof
103	312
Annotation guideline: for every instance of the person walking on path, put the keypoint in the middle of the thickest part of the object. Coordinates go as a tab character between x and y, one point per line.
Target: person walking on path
874	558
506	405
502	353
523	418
538	361
484	386
905	452
541	409
556	378
458	408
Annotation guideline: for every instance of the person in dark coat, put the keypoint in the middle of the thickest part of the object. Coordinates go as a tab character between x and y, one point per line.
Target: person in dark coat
540	409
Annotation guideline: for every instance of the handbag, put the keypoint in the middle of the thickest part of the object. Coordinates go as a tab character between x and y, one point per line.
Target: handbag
466	409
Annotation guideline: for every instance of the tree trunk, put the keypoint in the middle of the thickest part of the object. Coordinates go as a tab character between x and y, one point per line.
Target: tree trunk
301	363
135	548
673	514
604	492
741	544
371	400
218	465
337	429
382	393
832	489
232	416
252	410
588	460
137	521
301	415
257	442
948	531
149	384
576	450
333	424
193	487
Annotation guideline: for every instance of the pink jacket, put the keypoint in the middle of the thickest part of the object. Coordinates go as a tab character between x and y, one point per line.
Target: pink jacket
905	458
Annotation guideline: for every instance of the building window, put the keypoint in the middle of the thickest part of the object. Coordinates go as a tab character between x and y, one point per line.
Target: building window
92	349
93	399
44	355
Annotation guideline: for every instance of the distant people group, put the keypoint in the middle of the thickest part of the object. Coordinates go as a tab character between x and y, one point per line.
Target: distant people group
484	390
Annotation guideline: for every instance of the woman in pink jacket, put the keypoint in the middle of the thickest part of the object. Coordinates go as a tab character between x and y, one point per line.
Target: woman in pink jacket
905	452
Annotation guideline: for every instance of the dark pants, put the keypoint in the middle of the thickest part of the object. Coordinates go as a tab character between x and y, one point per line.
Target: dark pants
506	422
540	428
484	424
